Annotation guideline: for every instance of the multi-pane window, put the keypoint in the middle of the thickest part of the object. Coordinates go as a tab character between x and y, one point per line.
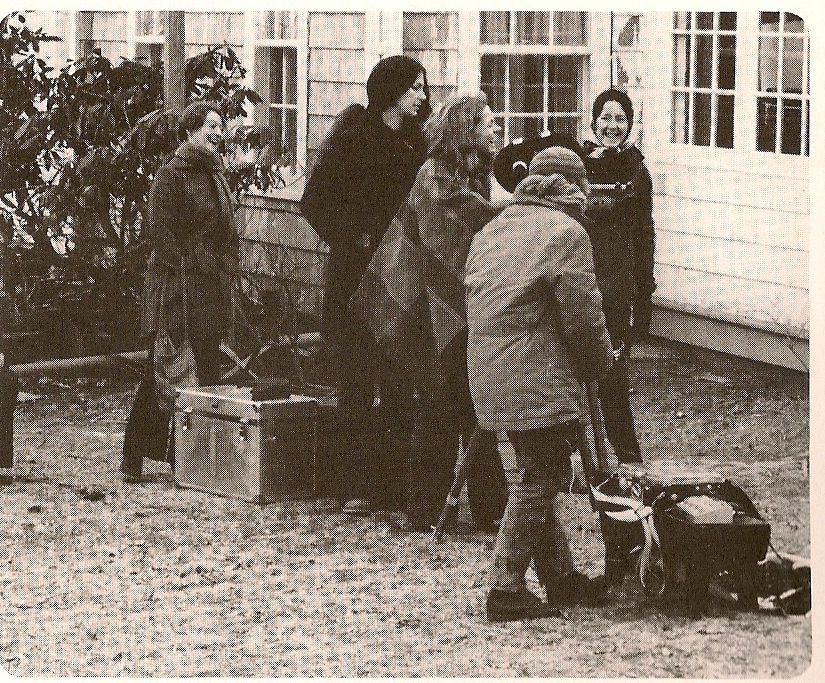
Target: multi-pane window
276	68
783	100
532	69
704	78
103	31
150	27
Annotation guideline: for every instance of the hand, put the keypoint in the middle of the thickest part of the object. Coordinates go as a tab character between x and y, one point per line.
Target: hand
617	353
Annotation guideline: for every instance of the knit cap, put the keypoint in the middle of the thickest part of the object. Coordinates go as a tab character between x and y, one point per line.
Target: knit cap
558	160
389	79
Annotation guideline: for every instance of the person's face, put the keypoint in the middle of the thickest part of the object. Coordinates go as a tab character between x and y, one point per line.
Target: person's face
486	132
210	133
410	103
611	126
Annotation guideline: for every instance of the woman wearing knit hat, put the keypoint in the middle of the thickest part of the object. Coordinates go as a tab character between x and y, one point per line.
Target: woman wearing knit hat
364	171
536	330
622	234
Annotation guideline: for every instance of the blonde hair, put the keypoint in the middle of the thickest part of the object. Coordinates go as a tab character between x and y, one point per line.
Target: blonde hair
451	131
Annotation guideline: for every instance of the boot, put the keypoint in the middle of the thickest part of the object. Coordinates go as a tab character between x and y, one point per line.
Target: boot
507	606
576	589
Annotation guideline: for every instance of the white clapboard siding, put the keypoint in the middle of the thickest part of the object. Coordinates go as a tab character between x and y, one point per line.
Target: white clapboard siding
761	186
733	222
763	304
746	260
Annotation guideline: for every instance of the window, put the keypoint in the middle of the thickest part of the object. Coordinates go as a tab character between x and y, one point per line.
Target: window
532	69
276	79
103	31
704	78
150	29
783	100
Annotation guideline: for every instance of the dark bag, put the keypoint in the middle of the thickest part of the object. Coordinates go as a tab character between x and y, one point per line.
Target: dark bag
8	401
175	367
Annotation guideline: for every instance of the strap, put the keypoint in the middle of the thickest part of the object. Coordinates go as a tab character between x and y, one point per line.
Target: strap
184	297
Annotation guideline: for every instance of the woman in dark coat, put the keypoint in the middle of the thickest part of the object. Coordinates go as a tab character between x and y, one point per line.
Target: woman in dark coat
364	171
190	218
622	234
412	297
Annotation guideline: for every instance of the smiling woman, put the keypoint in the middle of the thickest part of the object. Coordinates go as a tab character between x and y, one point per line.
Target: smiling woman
194	255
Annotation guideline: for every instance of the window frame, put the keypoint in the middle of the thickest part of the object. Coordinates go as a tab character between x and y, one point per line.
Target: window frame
780	95
513	48
743	157
691	89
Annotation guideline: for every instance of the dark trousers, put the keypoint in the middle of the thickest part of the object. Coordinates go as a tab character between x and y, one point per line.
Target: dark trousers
8	402
148	430
373	441
445	412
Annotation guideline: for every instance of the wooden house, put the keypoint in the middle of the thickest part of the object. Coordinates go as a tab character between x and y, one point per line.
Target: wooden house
723	118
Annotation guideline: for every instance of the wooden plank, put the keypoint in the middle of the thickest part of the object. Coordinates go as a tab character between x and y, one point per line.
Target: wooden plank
753	262
336	30
738	340
744	188
341	66
727	221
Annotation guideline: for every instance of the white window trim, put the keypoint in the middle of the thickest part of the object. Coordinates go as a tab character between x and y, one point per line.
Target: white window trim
301	45
743	157
597	42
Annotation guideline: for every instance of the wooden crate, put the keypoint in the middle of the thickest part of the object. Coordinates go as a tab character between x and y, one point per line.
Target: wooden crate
259	451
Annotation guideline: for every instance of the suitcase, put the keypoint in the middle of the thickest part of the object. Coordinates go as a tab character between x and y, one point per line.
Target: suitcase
260	451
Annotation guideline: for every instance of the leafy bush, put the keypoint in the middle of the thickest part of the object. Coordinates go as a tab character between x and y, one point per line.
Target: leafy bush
78	151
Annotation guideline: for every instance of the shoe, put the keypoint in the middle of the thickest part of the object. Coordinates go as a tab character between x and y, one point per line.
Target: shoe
507	606
576	589
357	506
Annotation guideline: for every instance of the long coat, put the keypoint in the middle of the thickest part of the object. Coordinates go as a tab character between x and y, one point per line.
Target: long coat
412	294
190	216
622	235
362	176
536	326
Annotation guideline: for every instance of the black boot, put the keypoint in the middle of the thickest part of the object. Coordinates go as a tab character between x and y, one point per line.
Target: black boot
507	606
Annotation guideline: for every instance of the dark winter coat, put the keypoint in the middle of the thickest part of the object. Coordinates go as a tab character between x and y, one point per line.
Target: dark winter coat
358	183
534	313
191	214
622	234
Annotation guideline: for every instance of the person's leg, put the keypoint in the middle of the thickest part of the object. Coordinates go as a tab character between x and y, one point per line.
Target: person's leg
433	452
521	530
486	483
355	390
396	417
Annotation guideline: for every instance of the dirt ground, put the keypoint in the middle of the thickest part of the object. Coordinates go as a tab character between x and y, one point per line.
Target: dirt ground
106	579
